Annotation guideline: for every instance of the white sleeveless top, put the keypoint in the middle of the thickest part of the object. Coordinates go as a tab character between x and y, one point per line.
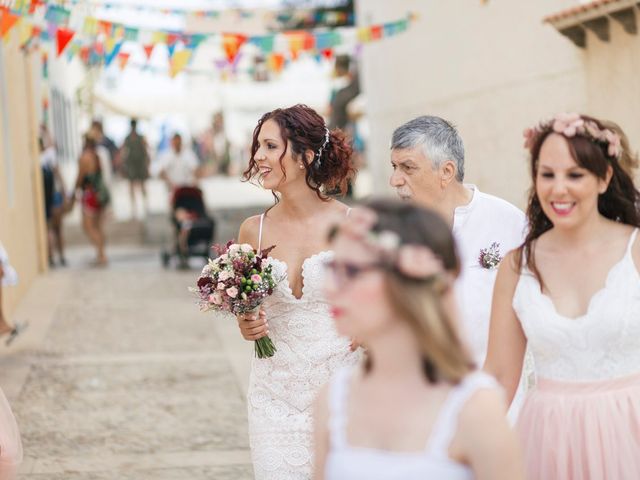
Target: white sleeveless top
346	462
601	344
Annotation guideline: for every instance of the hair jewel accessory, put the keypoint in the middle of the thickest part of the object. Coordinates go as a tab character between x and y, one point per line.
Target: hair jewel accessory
411	260
324	144
572	124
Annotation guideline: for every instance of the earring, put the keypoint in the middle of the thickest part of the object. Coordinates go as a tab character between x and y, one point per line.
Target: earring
301	167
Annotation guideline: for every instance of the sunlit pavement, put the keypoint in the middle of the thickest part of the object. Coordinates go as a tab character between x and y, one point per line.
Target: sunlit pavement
119	376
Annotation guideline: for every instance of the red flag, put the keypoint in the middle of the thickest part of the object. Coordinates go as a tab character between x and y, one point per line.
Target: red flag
84	54
63	37
7	21
34	5
327	53
148	50
309	42
376	32
172	38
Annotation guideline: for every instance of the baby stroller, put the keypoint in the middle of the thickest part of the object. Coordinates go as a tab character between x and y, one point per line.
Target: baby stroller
194	229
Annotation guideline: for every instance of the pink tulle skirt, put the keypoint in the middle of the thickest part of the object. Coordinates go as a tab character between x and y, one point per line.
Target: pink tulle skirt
10	444
582	430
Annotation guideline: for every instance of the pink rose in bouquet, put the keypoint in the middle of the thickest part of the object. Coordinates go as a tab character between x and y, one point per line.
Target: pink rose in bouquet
237	281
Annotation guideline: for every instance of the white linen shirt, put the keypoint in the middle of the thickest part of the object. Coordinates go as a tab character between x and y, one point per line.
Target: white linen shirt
484	220
180	168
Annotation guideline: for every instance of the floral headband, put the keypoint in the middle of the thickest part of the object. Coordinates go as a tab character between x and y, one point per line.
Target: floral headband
572	124
414	261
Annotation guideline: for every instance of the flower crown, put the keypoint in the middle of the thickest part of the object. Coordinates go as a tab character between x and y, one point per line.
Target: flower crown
572	124
413	261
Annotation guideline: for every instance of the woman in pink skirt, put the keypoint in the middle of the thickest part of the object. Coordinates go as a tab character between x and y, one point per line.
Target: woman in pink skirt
10	445
571	294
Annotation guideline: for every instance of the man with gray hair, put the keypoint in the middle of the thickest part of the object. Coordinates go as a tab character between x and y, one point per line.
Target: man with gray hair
427	156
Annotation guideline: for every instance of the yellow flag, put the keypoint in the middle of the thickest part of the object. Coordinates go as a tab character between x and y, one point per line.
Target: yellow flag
90	26
159	37
364	34
179	61
26	30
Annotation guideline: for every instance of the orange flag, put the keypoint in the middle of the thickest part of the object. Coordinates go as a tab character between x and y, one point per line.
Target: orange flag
7	21
148	50
63	37
123	58
276	62
231	44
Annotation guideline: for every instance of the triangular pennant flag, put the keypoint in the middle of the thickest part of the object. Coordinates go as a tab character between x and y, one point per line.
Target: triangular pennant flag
63	37
159	37
276	62
327	53
309	42
7	21
172	38
26	32
84	54
364	34
179	60
171	47
35	4
90	26
105	27
231	44
148	50
131	34
112	48
296	42
123	58
376	32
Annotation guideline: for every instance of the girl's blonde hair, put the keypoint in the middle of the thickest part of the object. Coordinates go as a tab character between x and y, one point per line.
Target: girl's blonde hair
423	303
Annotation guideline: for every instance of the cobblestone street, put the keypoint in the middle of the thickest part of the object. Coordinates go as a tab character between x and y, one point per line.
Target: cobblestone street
119	376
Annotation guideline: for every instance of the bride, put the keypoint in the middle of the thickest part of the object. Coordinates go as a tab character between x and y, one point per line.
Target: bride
294	155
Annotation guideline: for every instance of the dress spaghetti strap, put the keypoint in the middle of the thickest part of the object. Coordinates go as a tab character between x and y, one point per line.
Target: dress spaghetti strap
260	233
632	239
447	421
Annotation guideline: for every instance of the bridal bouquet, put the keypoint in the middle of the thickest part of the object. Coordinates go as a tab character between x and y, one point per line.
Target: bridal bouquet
237	281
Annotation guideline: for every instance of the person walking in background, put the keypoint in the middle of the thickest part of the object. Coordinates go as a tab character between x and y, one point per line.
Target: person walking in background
8	277
179	167
135	161
95	198
571	293
97	132
54	201
415	409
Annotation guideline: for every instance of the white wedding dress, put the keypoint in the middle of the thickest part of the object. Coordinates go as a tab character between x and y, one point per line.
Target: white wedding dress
282	388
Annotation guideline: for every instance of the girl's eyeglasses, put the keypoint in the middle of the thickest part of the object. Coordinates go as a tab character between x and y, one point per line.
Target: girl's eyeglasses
343	272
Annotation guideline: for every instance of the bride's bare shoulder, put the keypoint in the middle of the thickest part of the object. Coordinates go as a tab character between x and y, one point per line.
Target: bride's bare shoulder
249	229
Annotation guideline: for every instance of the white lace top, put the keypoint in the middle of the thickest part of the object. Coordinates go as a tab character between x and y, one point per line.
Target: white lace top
346	462
282	388
602	344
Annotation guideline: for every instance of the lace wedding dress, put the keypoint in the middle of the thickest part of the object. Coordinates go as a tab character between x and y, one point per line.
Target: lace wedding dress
282	388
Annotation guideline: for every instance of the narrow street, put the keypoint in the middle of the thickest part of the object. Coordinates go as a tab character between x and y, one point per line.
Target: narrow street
119	376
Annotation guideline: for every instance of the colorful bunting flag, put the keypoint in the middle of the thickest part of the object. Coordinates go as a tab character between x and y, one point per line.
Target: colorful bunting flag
112	48
148	50
7	21
231	44
179	61
131	34
26	32
123	58
63	37
276	62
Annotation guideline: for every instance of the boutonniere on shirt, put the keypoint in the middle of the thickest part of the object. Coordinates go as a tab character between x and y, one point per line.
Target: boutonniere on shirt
490	257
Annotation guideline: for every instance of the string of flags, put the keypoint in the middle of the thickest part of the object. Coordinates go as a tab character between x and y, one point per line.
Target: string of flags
99	42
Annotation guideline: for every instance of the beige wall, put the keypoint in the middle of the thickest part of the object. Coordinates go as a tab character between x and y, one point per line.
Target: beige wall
613	79
492	70
22	228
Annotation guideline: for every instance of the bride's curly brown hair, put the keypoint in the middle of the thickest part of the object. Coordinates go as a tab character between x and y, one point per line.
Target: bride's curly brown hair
305	129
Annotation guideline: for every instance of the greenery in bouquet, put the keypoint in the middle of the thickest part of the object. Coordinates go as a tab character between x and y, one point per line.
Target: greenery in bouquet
237	281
